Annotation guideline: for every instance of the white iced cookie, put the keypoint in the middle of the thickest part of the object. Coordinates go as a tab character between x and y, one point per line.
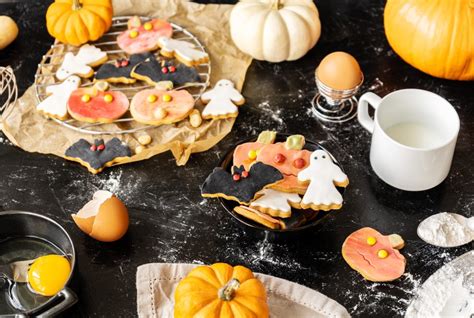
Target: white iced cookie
81	64
221	101
55	105
276	203
323	176
184	51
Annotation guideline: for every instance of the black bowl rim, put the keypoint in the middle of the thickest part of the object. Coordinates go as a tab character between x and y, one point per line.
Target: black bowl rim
255	225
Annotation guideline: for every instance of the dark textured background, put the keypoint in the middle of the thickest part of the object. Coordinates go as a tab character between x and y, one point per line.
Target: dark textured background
170	222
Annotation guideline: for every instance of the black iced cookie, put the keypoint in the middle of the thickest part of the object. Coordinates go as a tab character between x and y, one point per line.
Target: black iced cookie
98	155
154	71
241	185
120	71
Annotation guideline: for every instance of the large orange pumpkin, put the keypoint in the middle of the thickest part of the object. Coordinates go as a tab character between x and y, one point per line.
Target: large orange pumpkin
435	36
220	291
79	21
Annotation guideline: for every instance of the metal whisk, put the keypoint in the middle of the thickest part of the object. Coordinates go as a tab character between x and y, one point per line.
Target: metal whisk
8	87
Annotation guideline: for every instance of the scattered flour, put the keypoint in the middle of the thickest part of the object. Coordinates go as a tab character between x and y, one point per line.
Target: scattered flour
275	114
444	229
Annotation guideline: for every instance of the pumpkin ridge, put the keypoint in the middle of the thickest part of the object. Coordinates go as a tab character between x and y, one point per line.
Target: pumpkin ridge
264	33
306	26
81	28
63	20
96	20
307	20
233	307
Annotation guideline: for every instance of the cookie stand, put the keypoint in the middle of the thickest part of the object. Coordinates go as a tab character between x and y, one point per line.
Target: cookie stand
51	61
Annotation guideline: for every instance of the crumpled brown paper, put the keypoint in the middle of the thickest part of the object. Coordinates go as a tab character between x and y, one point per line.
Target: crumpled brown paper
31	131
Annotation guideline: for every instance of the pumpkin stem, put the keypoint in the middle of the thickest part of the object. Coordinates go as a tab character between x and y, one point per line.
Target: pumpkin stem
227	292
76	5
277	5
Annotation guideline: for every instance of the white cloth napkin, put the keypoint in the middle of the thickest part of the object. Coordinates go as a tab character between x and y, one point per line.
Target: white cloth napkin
156	284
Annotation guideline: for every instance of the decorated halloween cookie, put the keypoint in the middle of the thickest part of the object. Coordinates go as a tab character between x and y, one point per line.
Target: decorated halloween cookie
154	71
55	105
373	255
96	104
120	71
183	51
95	157
221	101
82	63
143	37
276	203
158	107
323	177
297	219
246	154
242	185
290	158
259	217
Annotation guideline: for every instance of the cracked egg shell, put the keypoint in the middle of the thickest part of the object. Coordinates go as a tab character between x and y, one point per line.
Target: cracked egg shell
104	218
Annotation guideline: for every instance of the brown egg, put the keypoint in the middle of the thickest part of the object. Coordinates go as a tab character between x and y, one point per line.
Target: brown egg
104	218
339	70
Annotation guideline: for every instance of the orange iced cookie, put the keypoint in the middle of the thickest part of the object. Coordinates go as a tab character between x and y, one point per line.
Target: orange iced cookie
143	37
97	104
373	255
246	154
159	107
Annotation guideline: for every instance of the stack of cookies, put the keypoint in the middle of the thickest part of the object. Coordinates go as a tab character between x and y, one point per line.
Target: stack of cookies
280	185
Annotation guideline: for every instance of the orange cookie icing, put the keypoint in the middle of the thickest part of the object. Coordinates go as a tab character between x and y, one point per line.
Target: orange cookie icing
288	161
90	105
157	107
373	255
144	38
241	154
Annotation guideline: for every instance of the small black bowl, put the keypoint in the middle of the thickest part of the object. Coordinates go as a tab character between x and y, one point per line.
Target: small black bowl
315	217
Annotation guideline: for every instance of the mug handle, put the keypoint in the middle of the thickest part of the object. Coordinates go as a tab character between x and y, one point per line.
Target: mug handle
363	110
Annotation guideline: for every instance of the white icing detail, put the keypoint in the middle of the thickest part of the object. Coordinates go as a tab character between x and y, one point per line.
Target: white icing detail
221	99
322	173
276	200
56	104
80	63
185	50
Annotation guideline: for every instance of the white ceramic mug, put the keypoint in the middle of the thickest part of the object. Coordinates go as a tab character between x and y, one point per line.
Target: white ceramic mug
414	134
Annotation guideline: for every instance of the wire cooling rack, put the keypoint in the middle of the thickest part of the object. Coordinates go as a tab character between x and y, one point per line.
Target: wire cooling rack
51	61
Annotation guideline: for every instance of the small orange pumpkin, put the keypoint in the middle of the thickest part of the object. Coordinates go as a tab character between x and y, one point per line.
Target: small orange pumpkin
434	36
220	291
77	22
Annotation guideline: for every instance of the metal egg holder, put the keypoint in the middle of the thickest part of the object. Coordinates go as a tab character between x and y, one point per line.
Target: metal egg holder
51	61
335	106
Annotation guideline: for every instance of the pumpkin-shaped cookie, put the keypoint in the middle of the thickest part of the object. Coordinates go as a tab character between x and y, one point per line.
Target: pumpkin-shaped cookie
96	104
373	255
77	22
157	107
220	291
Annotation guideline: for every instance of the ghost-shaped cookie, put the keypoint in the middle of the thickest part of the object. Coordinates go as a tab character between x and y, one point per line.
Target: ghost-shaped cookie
323	176
55	105
82	63
276	203
183	51
221	101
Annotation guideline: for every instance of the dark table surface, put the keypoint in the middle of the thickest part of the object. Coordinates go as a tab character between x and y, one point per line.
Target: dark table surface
170	222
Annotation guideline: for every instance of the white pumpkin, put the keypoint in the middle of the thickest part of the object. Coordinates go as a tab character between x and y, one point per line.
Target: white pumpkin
275	30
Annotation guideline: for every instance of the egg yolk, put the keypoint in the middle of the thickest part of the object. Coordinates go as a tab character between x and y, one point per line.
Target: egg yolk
49	274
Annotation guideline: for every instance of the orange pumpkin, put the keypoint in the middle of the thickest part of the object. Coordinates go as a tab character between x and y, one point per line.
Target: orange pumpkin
434	36
77	22
220	291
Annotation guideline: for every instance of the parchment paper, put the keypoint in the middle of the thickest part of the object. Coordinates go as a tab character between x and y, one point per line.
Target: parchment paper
157	282
31	131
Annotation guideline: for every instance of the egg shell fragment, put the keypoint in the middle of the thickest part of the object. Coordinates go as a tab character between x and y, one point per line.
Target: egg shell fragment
104	218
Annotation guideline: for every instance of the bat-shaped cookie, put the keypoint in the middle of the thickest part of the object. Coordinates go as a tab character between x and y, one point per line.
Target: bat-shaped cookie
241	185
154	71
119	72
98	155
